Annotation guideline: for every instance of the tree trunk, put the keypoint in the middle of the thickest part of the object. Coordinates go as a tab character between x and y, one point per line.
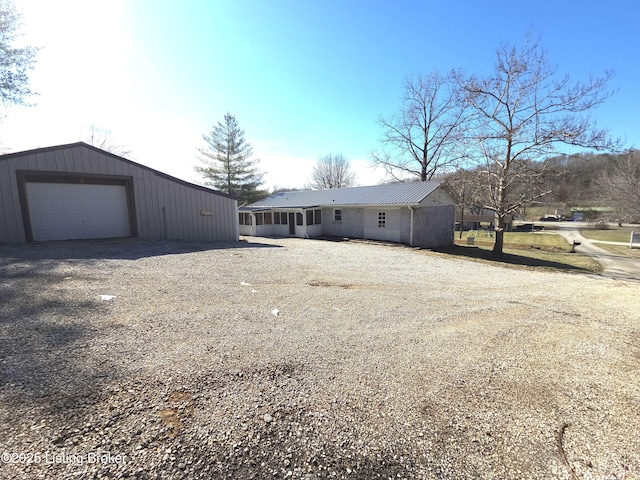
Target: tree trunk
499	242
499	221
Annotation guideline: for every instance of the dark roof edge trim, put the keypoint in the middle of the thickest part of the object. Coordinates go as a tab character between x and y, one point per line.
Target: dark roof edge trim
340	205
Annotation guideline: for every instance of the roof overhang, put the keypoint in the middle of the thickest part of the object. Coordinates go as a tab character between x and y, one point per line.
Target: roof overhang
254	209
288	207
328	205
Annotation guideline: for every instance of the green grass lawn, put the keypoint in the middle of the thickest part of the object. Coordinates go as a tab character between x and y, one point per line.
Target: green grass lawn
519	240
611	234
614	234
540	250
621	249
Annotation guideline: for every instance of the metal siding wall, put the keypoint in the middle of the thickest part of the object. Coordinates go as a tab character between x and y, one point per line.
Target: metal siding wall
186	213
197	227
17	229
99	163
41	161
143	198
173	228
159	201
7	220
122	168
190	205
87	162
32	162
176	205
169	224
221	219
77	161
220	223
153	218
59	160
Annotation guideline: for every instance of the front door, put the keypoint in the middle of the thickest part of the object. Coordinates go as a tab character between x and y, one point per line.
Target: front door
292	223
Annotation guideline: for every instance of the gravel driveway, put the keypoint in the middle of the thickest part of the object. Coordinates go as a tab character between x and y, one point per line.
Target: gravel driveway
292	358
614	265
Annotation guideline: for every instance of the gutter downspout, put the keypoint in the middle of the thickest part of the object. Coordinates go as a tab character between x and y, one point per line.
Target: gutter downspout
411	207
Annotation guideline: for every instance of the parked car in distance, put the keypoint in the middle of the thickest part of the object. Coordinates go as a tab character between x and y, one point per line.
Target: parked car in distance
550	218
527	227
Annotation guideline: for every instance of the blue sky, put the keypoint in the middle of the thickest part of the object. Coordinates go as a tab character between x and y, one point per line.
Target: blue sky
303	78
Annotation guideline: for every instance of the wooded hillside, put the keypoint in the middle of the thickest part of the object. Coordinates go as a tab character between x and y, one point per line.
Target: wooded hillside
606	184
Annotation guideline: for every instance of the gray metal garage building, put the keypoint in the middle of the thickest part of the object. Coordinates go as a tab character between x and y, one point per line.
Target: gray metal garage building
77	191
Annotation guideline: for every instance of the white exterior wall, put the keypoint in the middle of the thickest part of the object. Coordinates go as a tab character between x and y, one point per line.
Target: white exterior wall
432	222
264	230
280	230
313	230
350	226
301	231
437	198
391	230
247	230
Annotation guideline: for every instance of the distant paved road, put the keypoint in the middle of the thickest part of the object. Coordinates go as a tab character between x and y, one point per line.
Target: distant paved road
614	265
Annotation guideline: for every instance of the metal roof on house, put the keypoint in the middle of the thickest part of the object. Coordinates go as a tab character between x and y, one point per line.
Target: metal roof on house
390	194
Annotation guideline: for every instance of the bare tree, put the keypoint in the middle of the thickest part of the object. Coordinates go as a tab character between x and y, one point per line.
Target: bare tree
421	138
103	139
463	187
332	171
14	62
520	115
621	187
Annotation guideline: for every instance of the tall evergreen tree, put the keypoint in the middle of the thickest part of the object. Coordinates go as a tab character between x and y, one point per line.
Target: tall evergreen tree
15	62
228	165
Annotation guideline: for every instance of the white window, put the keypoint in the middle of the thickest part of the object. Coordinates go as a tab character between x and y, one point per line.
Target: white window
314	217
337	214
382	219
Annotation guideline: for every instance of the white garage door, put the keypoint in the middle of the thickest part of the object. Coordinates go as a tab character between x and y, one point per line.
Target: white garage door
65	211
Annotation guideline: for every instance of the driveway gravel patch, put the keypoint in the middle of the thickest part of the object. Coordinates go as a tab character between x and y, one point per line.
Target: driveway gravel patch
382	362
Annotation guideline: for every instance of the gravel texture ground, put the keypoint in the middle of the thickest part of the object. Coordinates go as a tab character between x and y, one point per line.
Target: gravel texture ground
304	359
